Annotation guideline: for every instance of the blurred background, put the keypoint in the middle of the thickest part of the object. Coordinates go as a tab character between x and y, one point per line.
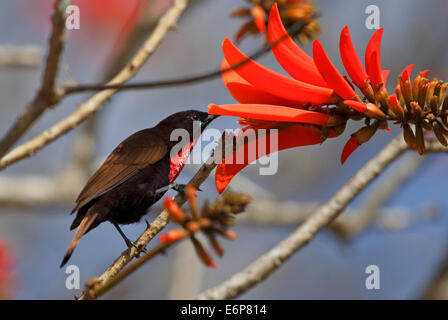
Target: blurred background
405	234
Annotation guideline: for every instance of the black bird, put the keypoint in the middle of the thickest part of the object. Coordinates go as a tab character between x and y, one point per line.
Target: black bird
135	176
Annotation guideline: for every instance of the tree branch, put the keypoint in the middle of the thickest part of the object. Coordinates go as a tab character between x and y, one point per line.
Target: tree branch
87	109
47	95
385	189
27	56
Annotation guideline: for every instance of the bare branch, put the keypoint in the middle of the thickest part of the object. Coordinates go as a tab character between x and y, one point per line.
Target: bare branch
385	189
27	56
189	80
87	109
47	95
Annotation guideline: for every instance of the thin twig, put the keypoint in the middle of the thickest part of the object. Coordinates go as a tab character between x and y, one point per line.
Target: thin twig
47	95
27	56
385	189
95	287
87	109
189	80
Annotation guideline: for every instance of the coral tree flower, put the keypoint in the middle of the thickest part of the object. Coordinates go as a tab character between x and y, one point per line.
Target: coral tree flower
212	220
291	11
317	100
6	271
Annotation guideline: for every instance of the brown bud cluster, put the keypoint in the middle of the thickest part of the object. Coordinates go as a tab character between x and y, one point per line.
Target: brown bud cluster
291	12
419	106
212	220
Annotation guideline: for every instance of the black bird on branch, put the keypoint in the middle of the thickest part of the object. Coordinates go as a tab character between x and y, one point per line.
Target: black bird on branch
136	175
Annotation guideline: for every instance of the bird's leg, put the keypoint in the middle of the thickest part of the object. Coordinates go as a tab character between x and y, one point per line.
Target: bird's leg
128	242
175	186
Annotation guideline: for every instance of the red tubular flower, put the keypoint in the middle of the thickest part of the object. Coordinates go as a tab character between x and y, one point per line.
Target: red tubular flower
351	145
374	69
272	82
259	18
385	75
373	58
243	92
291	57
330	73
6	271
289	137
270	112
294	106
350	59
406	74
174	211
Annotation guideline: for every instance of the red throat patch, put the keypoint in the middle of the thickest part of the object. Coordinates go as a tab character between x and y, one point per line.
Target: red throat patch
177	163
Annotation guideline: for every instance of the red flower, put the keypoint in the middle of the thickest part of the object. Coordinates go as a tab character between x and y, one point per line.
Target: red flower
102	23
6	271
291	11
297	106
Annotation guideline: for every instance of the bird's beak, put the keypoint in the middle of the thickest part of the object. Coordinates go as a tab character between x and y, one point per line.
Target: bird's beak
209	119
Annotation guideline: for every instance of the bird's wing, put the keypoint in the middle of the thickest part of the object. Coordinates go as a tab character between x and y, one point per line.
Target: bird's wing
133	154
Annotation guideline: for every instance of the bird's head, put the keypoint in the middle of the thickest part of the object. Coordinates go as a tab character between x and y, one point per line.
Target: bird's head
190	120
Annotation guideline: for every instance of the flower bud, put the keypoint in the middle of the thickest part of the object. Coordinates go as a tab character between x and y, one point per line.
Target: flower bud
416	110
420	139
406	89
203	255
215	244
440	132
395	107
416	86
174	211
430	92
442	91
228	234
400	95
434	104
173	236
409	136
422	93
193	226
365	133
374	112
240	12
190	192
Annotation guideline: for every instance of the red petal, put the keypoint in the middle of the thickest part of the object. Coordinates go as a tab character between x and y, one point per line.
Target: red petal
269	112
406	74
331	75
385	75
424	73
274	83
374	45
351	145
351	60
259	18
359	106
290	137
243	92
374	69
291	57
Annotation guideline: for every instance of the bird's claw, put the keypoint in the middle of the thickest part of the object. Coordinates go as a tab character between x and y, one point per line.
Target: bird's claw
180	188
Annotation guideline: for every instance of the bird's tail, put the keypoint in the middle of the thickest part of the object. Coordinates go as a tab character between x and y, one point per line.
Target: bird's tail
84	226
